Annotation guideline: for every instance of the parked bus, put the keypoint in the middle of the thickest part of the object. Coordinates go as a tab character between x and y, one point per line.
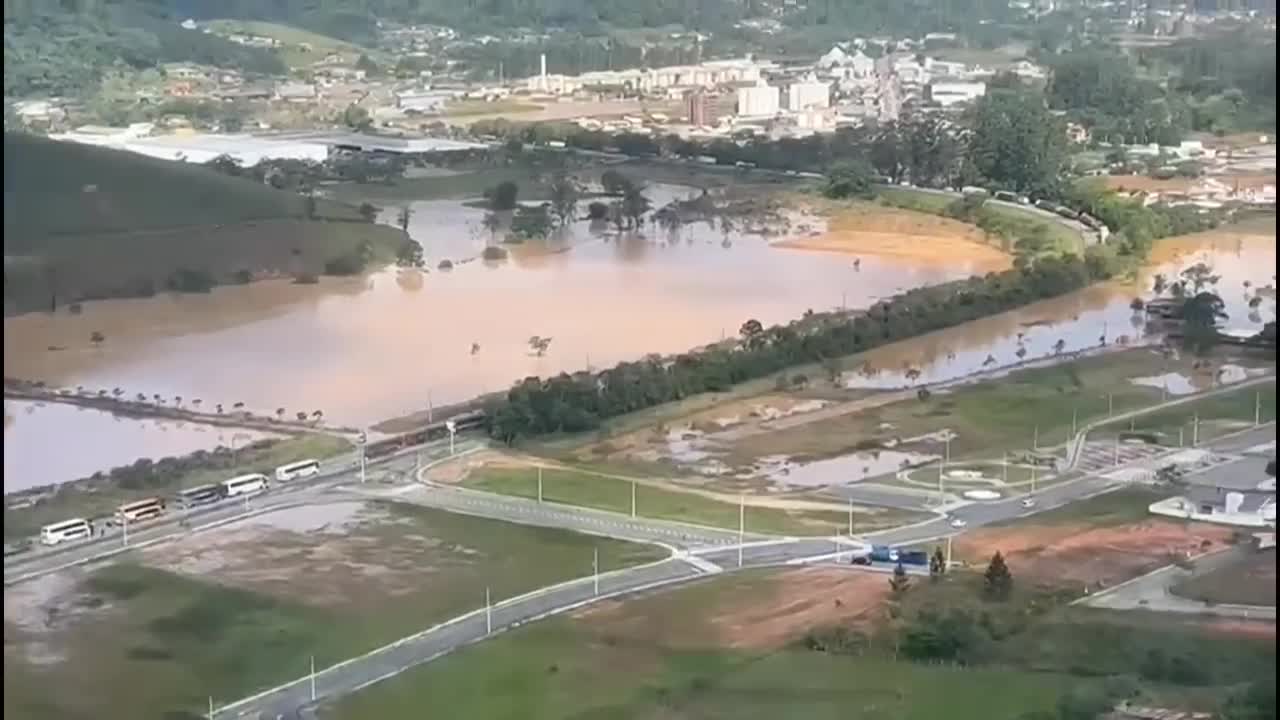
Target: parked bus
140	510
300	469
65	530
244	485
199	495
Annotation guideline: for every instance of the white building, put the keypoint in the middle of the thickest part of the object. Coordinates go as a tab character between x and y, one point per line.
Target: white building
807	94
759	100
1223	506
947	94
654	80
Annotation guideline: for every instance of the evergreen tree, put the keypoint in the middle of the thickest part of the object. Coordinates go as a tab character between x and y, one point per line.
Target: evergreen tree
899	583
937	565
997	580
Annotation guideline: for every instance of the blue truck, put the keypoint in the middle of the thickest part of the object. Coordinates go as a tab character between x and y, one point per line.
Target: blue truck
886	554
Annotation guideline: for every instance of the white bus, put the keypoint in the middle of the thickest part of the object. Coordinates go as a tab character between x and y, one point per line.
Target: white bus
199	495
65	530
300	469
140	510
244	485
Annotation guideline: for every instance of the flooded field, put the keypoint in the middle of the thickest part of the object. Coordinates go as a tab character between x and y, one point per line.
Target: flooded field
47	443
363	350
1244	261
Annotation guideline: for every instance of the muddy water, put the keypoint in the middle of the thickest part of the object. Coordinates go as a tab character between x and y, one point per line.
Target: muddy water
366	350
51	443
1081	319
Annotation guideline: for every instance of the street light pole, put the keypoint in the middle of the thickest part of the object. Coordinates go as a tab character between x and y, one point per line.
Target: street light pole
1035	439
124	523
488	614
633	498
1074	412
1257	409
742	525
364	439
595	570
850	517
452	427
1195	430
313	678
539	483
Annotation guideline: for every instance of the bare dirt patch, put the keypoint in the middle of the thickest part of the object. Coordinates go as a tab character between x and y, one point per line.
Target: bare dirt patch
1245	628
1076	554
335	555
904	234
758	612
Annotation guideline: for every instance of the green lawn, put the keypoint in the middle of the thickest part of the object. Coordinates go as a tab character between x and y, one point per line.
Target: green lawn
1219	415
96	498
586	489
141	642
1005	414
559	669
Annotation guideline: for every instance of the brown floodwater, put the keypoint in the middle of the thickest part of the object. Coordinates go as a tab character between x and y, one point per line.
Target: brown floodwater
49	443
367	349
1081	319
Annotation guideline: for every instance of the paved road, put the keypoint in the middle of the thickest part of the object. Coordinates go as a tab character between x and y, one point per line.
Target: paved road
1152	592
342	470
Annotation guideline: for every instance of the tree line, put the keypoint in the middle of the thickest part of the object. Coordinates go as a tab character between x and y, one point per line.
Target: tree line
580	401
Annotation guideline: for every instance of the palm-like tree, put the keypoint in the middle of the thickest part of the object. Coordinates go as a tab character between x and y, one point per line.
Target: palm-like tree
140	398
1059	346
117	392
279	413
991	360
1021	352
218	409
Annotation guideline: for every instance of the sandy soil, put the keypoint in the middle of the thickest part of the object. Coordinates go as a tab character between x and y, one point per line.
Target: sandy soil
1246	628
1095	557
903	234
769	612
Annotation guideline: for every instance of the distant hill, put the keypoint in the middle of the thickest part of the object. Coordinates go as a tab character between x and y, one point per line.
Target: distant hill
59	188
84	222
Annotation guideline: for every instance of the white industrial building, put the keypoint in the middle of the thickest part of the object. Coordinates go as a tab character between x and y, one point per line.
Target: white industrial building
808	94
759	100
651	80
249	150
947	94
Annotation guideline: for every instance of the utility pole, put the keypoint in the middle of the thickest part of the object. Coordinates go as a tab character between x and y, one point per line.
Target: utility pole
1074	412
742	525
595	570
1257	409
1034	467
124	524
1195	430
452	427
488	614
1111	404
946	453
1004	467
364	438
210	707
539	483
1117	460
1035	439
1181	431
633	498
948	552
313	678
850	517
430	409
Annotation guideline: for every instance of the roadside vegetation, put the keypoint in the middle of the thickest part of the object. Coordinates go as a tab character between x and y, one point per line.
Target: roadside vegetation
601	491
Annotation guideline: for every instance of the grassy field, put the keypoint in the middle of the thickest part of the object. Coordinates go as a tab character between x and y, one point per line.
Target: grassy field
561	669
595	491
100	498
671	656
1219	415
1014	222
298	48
134	641
1251	580
988	417
84	222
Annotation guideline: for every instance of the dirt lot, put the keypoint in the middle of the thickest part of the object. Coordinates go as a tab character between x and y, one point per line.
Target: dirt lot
1082	554
897	234
757	611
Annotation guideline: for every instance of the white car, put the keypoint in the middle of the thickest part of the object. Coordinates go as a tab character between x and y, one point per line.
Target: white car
1028	502
958	522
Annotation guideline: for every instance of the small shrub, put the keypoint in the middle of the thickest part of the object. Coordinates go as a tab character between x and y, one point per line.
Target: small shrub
494	252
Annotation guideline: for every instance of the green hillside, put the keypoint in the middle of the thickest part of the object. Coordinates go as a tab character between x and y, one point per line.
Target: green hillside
83	222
